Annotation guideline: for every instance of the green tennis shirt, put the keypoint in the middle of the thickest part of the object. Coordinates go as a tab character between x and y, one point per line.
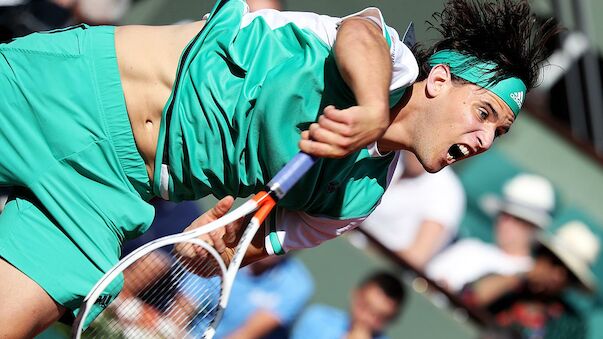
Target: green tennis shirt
247	85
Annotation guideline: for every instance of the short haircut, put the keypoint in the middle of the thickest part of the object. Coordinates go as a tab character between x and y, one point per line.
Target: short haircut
388	283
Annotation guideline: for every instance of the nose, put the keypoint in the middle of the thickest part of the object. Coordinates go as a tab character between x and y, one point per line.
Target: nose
485	138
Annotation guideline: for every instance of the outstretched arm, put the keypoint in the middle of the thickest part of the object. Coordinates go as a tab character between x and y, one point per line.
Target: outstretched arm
364	61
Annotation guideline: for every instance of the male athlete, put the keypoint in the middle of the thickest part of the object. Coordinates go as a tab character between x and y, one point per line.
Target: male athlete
95	121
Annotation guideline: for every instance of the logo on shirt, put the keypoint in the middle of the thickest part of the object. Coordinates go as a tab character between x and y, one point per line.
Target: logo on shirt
518	98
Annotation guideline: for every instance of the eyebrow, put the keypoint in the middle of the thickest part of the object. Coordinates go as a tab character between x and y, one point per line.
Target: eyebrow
492	109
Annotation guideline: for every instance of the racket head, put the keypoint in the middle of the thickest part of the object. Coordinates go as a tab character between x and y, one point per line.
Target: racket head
160	294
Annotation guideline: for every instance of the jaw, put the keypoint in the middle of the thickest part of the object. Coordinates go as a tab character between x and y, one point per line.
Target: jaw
433	164
438	160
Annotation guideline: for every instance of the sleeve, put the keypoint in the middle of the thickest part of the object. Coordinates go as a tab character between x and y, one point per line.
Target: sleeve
405	67
293	230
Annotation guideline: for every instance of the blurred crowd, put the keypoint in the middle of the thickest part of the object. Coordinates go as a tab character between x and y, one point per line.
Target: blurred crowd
519	271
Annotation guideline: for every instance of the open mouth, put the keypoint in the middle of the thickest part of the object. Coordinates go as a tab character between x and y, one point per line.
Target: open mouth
457	152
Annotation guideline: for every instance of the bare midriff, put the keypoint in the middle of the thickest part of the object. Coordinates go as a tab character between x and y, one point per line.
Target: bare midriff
148	59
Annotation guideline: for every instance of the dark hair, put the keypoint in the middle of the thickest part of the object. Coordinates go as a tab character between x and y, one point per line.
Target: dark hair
505	32
541	251
388	283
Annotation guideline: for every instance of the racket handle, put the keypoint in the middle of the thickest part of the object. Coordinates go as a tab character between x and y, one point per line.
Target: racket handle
289	175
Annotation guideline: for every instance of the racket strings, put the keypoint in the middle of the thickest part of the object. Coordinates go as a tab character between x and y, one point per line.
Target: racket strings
169	301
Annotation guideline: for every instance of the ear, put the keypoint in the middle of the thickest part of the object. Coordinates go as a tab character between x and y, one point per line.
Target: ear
439	77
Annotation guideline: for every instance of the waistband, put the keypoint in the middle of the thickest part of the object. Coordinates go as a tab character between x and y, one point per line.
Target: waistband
102	46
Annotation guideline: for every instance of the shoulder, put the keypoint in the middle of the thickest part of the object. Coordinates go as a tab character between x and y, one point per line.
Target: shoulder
405	66
322	26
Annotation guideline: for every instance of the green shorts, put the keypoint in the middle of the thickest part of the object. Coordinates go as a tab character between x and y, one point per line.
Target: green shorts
67	147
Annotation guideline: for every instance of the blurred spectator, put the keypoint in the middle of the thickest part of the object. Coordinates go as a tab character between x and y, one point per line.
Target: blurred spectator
527	205
255	5
419	213
374	304
266	298
22	17
531	303
100	12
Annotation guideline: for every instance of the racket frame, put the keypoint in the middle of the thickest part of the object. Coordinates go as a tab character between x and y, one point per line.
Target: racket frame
262	204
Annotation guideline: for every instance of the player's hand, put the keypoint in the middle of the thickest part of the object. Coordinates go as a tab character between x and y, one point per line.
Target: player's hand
223	239
339	133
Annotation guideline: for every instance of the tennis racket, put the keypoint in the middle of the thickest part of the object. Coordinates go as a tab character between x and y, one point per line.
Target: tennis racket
160	295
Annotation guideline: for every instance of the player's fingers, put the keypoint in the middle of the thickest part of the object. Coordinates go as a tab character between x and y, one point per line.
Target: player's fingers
337	115
216	212
305	135
320	149
188	250
334	126
218	241
339	142
230	234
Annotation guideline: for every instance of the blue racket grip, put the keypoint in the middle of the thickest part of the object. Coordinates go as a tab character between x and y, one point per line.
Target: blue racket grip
289	175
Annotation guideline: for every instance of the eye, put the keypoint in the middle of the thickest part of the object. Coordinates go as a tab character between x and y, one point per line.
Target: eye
483	114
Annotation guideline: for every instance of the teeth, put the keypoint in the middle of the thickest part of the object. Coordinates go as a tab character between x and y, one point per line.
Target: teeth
464	149
449	157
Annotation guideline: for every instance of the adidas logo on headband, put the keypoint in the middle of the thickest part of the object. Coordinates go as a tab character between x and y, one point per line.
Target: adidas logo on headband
518	98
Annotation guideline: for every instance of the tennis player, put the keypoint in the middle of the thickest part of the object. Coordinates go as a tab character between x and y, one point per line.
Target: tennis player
96	120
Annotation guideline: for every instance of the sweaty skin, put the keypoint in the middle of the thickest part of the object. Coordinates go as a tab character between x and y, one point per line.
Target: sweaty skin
148	59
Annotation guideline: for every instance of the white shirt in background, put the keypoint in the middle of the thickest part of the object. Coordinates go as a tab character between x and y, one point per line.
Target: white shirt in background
408	202
470	259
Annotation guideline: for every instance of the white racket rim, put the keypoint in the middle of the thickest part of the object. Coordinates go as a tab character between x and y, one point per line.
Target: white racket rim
231	273
245	209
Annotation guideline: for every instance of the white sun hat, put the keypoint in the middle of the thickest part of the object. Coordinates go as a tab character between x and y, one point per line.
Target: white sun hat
527	196
577	247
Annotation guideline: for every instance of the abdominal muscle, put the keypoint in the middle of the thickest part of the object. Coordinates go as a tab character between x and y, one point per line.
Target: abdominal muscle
148	59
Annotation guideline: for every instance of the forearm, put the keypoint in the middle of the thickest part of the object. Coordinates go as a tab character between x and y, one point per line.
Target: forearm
429	239
489	289
364	61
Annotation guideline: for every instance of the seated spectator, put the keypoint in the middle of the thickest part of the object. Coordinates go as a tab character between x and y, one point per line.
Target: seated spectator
531	303
21	17
374	304
419	213
526	207
255	5
265	299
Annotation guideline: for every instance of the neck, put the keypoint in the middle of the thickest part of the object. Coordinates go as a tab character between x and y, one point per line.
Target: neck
398	135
